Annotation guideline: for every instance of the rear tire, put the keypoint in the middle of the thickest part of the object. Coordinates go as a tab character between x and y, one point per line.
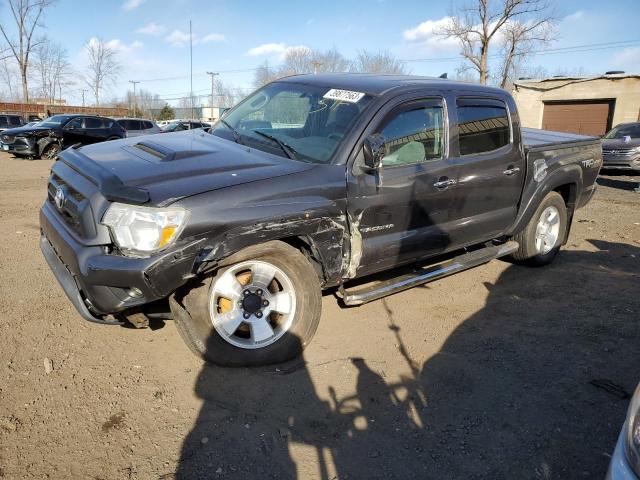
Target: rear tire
541	239
259	320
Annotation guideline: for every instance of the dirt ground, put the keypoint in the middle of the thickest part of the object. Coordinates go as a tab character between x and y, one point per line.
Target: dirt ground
483	375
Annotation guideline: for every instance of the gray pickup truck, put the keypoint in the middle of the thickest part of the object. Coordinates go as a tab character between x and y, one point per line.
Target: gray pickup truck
313	182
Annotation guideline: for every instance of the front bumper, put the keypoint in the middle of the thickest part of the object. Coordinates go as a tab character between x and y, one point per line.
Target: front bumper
99	283
621	162
619	468
20	147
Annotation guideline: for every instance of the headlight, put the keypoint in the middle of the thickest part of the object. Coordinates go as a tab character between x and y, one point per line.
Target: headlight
632	443
139	231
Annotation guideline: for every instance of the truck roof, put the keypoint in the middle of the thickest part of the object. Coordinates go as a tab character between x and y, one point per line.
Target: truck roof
378	84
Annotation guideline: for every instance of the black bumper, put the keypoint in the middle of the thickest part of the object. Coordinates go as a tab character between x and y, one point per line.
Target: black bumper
19	149
99	283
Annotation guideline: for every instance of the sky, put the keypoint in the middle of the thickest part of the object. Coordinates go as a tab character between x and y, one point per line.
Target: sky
232	37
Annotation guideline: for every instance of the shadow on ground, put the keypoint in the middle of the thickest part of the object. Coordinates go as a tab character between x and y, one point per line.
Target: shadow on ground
618	183
507	396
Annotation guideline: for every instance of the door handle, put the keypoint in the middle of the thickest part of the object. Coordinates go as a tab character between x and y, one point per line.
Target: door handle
444	183
511	170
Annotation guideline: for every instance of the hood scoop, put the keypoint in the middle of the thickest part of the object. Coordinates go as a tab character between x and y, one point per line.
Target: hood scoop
165	154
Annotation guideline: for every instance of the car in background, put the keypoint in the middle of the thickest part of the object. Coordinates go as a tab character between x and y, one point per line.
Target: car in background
49	137
134	127
621	147
625	461
182	125
8	120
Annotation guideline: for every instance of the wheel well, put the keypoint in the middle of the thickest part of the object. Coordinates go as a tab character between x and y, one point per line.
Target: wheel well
305	245
568	193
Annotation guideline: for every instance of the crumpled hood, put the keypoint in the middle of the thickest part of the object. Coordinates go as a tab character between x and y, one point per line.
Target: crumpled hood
171	166
615	143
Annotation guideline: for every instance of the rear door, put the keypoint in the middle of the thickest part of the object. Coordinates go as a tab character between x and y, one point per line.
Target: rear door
401	212
490	164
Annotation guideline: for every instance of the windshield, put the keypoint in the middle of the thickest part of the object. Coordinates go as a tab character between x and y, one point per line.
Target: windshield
303	122
632	130
171	127
54	121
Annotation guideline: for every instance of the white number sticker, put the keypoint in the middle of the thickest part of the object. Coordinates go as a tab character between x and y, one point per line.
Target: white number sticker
343	95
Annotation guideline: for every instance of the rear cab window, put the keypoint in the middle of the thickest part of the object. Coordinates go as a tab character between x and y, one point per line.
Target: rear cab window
483	125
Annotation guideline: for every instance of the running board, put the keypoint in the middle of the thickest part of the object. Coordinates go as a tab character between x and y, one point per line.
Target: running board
360	295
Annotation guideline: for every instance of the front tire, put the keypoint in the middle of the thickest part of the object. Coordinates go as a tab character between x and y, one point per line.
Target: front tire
51	152
541	239
261	307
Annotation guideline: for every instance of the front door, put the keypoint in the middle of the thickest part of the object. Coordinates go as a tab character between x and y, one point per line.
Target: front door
490	171
401	212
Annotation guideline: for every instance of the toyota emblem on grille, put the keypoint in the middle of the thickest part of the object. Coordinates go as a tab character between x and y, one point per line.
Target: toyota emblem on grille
59	198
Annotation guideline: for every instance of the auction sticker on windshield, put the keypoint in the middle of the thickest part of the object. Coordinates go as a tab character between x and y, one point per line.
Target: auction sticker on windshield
343	95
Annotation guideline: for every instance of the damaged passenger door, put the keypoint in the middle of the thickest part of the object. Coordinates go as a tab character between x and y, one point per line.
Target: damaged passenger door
398	194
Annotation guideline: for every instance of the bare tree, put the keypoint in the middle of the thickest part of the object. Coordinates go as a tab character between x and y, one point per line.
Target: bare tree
27	15
377	62
521	39
9	77
53	68
478	24
103	66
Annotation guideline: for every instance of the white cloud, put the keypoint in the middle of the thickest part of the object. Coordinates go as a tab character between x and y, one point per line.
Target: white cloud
578	15
178	38
267	49
132	4
152	29
213	37
121	47
423	36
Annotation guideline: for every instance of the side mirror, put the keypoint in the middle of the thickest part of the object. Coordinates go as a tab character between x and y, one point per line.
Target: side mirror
374	151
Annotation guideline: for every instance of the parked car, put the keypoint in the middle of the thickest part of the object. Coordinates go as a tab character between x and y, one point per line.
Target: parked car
49	137
312	182
184	125
625	462
134	127
10	121
621	147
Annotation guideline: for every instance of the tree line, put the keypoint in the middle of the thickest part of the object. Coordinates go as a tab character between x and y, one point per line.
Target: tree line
496	40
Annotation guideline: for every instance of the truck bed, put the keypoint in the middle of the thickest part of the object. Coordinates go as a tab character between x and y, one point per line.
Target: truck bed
535	139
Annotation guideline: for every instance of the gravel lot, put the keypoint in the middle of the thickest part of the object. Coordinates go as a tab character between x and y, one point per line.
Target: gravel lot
482	375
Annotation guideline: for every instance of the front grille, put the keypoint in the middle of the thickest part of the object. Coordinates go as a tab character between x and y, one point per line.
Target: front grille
618	152
74	208
8	139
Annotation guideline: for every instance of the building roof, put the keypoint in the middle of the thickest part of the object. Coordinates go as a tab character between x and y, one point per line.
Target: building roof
378	84
568	80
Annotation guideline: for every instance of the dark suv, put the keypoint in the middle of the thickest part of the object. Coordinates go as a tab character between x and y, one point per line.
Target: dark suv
10	121
184	125
48	137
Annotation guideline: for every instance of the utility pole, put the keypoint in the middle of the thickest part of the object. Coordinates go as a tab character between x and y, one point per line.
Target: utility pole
135	82
213	76
83	91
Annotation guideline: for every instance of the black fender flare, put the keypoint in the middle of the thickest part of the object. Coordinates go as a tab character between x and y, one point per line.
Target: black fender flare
562	175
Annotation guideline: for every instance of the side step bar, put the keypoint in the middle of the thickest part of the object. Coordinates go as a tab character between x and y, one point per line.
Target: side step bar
359	295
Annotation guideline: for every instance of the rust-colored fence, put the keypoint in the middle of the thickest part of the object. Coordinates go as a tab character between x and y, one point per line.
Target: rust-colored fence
42	110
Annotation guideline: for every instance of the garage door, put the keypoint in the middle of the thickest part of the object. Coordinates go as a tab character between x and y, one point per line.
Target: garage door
587	118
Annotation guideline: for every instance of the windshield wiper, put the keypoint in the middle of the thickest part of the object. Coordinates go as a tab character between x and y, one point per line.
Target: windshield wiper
287	149
234	132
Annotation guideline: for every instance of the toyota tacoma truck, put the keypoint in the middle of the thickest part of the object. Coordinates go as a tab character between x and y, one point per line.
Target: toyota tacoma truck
313	182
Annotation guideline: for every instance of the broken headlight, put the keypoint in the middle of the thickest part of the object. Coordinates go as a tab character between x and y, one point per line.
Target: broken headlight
140	231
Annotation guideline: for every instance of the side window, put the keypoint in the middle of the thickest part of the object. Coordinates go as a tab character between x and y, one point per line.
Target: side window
3	121
482	127
91	122
74	123
147	125
414	135
15	120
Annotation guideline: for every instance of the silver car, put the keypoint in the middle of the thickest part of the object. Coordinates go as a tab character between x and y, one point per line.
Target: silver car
134	127
621	147
625	462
